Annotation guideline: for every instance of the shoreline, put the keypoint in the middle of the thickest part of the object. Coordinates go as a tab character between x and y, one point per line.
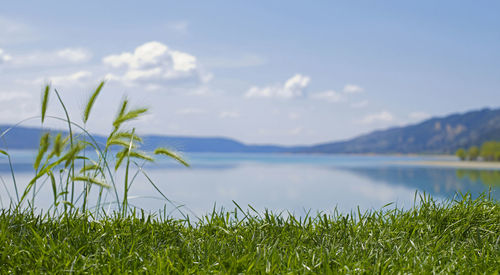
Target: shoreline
457	164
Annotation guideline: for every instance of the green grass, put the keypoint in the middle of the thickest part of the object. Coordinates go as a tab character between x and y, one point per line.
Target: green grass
458	236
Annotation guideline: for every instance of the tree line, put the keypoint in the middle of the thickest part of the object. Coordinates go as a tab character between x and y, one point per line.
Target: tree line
489	151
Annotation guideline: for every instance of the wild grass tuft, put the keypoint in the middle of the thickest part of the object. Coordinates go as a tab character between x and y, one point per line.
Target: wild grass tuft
128	116
58	165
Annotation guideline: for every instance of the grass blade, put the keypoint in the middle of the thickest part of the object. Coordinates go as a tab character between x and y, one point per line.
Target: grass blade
120	156
44	146
121	112
126	135
54	187
45	101
91	180
166	152
91	101
130	115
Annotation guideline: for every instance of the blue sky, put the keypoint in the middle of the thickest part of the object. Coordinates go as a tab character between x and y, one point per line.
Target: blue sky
288	72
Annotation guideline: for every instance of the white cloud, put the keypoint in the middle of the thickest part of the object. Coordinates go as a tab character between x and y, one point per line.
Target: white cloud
79	77
190	111
419	115
360	104
17	106
154	62
21	112
352	89
330	96
382	116
8	96
229	114
4	57
292	88
51	58
261	92
295	85
75	55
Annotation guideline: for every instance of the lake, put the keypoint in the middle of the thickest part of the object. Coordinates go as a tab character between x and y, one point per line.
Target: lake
282	183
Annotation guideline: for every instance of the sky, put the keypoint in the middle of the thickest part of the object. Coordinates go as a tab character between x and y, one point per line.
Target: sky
262	72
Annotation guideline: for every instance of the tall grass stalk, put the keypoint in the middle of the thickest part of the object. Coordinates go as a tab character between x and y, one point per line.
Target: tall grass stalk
3	152
86	115
58	157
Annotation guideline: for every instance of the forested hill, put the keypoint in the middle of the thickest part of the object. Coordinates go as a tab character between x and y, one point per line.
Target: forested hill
435	135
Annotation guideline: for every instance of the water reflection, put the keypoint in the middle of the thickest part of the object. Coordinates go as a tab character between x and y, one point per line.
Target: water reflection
486	177
294	183
439	182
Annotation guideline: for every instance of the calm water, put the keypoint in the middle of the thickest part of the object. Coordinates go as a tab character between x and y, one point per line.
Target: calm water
294	183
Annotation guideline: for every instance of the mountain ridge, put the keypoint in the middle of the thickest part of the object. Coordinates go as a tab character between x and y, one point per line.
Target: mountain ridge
435	135
27	137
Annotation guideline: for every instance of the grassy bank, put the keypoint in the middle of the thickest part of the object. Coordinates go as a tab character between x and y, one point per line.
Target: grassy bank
458	236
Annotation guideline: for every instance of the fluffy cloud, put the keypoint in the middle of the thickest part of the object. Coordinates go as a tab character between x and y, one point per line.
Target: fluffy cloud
15	114
154	62
331	96
292	88
352	89
65	56
75	55
295	87
79	77
17	105
382	116
9	96
4	57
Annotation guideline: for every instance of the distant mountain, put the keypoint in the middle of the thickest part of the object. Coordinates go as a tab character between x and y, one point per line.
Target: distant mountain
20	137
29	138
435	135
210	144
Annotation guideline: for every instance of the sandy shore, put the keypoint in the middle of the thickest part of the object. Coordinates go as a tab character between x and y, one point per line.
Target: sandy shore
457	164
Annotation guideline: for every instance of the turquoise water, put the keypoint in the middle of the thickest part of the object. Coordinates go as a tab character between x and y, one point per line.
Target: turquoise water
283	183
